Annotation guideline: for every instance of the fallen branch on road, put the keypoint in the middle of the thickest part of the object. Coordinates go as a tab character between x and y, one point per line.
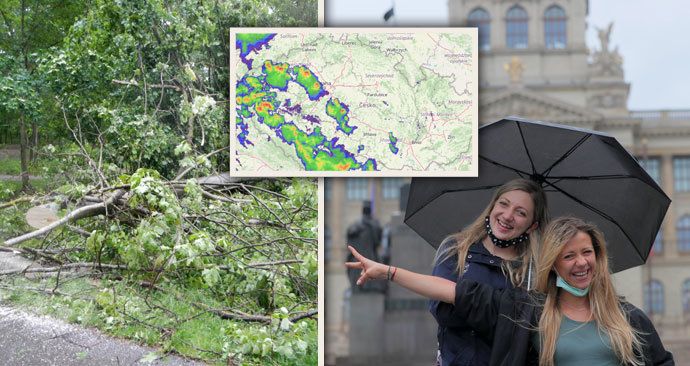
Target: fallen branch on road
86	211
69	266
16	201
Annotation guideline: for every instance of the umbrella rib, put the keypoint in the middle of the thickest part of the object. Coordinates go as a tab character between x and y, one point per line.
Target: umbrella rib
518	171
567	153
600	213
594	177
524	144
452	191
605	177
468	189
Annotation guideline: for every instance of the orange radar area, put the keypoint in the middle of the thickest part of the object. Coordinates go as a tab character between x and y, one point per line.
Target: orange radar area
277	75
317	153
338	111
309	82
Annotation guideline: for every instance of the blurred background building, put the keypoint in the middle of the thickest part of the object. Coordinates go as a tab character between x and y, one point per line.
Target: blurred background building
535	63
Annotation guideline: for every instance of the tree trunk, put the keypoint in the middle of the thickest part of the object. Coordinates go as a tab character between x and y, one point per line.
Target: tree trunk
24	153
34	141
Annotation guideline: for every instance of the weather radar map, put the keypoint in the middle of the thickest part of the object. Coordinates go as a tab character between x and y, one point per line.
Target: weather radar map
353	102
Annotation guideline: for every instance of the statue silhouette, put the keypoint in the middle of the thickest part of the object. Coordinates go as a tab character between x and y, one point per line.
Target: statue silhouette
365	236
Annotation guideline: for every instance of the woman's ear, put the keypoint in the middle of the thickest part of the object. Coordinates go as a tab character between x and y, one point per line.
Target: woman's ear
532	227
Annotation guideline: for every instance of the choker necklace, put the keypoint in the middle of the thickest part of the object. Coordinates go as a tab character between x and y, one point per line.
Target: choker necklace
503	243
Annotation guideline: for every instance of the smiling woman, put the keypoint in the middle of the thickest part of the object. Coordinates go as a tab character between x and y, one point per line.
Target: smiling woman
556	324
576	262
496	250
574	274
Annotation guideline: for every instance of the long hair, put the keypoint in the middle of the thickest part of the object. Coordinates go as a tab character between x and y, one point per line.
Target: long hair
517	271
603	301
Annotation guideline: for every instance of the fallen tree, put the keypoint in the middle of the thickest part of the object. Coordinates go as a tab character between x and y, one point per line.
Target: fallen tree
134	102
249	245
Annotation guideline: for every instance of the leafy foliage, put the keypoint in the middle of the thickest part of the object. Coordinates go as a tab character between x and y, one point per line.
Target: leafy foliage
133	97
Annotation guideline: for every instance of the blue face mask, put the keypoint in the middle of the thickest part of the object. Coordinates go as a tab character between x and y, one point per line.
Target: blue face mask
560	282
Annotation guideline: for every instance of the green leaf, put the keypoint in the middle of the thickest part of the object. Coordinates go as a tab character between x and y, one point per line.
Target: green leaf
149	358
211	276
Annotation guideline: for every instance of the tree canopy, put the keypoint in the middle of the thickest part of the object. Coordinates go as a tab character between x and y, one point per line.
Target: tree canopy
124	105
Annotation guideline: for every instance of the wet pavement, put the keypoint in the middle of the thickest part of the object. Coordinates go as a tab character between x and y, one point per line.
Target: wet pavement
31	340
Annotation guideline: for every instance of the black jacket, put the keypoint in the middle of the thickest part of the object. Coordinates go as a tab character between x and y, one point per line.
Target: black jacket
460	345
508	316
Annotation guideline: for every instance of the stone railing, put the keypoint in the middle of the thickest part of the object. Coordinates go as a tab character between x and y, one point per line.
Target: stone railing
664	114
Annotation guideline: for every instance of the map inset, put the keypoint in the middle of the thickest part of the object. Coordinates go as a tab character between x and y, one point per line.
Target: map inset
353	102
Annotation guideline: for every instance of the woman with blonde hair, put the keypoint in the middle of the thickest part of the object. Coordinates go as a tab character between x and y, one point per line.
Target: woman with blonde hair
573	316
495	250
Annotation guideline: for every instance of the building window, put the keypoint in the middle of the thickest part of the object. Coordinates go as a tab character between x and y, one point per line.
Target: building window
658	246
683	233
653	167
686	296
654	297
390	188
480	18
516	27
357	188
681	174
555	27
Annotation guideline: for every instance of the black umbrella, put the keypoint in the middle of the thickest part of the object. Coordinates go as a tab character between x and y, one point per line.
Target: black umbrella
584	173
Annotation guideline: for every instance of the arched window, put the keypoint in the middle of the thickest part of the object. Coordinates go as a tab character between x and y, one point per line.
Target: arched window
683	233
480	18
516	27
686	296
555	27
654	297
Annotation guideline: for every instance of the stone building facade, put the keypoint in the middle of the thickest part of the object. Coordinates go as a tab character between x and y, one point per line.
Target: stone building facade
535	63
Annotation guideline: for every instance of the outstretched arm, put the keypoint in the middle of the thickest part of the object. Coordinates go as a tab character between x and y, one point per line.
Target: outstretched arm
431	287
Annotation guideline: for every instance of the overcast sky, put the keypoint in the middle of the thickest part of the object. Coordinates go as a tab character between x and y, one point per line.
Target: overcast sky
652	36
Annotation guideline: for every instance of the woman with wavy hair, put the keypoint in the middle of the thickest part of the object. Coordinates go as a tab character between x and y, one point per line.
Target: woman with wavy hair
573	316
496	250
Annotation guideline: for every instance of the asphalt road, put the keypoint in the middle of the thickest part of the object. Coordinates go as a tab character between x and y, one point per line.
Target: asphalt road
31	340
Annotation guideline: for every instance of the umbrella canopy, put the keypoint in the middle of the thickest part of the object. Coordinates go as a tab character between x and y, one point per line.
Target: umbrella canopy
584	173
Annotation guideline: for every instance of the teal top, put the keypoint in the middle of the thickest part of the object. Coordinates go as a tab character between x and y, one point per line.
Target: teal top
581	343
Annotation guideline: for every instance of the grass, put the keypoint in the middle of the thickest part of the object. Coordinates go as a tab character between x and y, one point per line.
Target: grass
10	166
121	309
117	309
10	188
13	166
